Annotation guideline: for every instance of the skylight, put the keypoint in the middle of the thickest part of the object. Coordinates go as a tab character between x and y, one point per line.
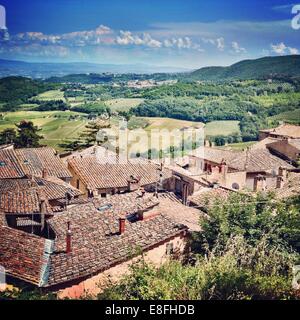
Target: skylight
2	163
105	207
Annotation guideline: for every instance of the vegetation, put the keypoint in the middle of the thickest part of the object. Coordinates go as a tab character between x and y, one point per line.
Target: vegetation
17	90
56	126
252	69
27	135
244	252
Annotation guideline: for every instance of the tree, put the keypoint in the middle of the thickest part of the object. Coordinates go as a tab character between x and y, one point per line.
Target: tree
253	218
8	136
27	135
92	129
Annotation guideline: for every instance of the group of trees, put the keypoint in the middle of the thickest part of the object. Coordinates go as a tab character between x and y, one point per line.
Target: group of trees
17	90
52	105
26	135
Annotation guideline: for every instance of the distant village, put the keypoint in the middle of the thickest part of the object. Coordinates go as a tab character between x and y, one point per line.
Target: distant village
68	222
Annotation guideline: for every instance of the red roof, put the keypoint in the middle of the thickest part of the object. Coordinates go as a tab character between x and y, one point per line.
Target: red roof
22	254
35	160
10	167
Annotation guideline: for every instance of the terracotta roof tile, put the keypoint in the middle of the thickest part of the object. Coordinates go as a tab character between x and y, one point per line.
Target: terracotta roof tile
34	160
22	254
22	202
100	176
10	166
208	196
253	160
96	243
291	188
286	130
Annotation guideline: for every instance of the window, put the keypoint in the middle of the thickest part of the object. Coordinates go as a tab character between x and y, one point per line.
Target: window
169	249
103	195
77	184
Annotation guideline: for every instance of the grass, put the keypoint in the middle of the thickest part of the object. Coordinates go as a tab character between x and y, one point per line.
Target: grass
123	104
239	146
289	116
149	138
170	124
222	128
56	126
51	95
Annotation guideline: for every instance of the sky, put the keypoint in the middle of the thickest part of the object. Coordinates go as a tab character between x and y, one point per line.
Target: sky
179	33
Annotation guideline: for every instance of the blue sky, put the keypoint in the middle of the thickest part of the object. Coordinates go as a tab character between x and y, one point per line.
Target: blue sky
182	33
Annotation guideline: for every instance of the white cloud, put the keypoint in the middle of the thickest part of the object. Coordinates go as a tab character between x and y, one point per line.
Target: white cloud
127	38
293	50
279	48
77	38
220	44
282	49
237	48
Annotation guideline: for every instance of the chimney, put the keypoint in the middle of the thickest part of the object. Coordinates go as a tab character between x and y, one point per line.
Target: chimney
69	239
259	183
43	209
122	225
133	183
224	168
279	182
45	173
282	172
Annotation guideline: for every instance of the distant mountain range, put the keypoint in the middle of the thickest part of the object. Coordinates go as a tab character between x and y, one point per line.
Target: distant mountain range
46	70
252	69
248	69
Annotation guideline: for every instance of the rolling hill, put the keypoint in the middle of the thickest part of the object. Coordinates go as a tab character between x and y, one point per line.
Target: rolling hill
46	70
252	69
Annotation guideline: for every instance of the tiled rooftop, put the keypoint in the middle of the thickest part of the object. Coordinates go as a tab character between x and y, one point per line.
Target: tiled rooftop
22	254
291	188
287	130
34	160
253	160
96	243
22	196
207	196
10	167
22	202
100	176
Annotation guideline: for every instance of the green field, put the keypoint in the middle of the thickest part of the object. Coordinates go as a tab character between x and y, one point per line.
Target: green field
239	146
123	104
222	128
277	99
56	126
51	95
289	116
